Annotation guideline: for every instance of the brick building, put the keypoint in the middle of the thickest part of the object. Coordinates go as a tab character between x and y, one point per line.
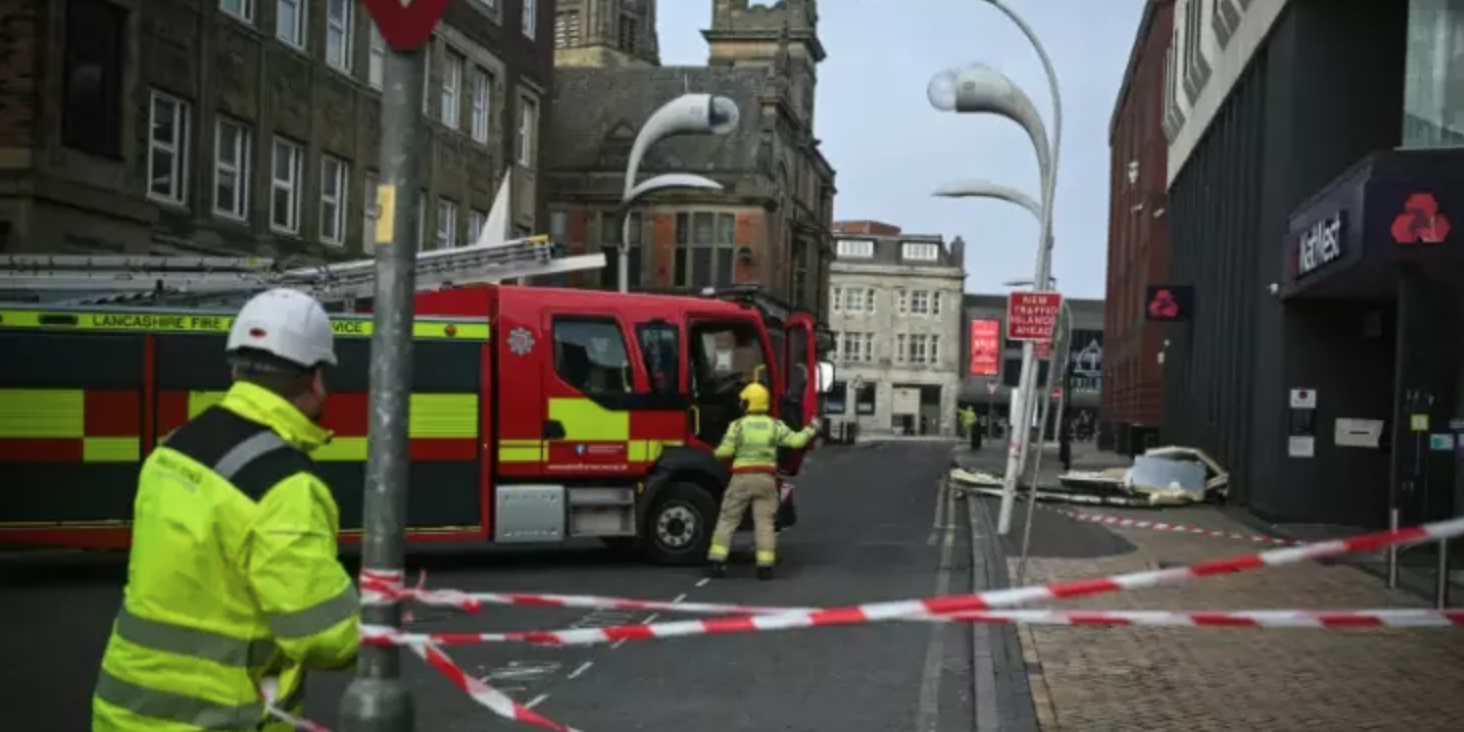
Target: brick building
1138	238
771	223
233	126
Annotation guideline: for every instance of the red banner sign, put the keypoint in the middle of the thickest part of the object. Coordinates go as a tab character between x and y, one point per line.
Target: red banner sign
1032	316
985	347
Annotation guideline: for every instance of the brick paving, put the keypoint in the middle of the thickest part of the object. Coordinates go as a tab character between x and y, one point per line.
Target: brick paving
1218	680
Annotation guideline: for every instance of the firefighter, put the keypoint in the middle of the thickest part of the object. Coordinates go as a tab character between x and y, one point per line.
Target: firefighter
752	444
968	425
233	582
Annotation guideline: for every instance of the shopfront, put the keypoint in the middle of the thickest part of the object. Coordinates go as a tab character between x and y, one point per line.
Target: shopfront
1372	290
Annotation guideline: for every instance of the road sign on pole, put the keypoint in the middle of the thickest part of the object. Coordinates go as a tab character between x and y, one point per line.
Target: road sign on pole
406	25
1032	316
377	700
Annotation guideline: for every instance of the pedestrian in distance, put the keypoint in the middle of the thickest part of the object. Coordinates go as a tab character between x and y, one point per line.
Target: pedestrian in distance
234	587
752	443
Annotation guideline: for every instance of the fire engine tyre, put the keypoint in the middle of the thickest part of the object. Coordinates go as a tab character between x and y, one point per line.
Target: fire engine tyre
679	526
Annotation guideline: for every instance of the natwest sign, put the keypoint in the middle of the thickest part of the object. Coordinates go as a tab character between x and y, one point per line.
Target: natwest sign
1319	245
1032	316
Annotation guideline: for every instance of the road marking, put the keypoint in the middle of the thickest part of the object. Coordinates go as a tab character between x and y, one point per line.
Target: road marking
941	522
679	598
650	618
703	582
536	701
580	671
928	710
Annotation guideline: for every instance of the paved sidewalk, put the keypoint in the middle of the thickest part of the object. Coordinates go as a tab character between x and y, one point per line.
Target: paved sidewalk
1091	679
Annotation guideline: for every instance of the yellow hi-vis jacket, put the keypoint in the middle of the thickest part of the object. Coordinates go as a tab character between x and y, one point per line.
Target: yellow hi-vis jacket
233	574
753	441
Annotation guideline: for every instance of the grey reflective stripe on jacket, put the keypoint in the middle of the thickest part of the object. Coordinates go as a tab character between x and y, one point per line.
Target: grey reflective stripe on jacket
317	618
195	643
180	708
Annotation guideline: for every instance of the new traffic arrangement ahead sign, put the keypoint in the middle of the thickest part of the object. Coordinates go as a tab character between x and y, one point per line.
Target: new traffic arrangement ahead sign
1032	316
406	25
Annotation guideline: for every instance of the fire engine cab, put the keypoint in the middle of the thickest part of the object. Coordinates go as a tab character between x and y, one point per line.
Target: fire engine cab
538	415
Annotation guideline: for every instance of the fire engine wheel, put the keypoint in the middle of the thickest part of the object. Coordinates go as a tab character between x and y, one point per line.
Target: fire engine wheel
679	527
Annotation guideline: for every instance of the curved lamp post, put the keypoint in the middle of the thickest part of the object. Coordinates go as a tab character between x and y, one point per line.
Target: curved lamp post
981	89
688	114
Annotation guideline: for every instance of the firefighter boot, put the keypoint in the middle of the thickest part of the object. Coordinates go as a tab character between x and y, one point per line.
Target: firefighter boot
716	570
765	572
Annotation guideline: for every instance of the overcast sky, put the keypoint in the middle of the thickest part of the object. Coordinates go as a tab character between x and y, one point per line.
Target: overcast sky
891	149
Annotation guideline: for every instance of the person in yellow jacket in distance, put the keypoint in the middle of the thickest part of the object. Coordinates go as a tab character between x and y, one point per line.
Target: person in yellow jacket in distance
233	581
752	443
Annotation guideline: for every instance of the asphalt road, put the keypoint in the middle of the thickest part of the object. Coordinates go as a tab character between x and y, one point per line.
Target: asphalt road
869	530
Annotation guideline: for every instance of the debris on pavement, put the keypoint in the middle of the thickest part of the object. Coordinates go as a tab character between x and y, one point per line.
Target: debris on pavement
1163	476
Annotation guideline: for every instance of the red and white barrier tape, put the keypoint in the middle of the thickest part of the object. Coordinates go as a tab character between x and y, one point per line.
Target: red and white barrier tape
486	696
766	619
1129	523
1388	618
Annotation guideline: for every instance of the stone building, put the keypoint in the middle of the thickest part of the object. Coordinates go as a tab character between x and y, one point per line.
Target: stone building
769	225
245	126
895	302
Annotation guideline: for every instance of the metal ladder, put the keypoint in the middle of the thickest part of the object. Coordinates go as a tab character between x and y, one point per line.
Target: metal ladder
186	277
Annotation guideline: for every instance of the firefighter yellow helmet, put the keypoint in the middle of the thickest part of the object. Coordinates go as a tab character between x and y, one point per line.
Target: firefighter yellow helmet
754	398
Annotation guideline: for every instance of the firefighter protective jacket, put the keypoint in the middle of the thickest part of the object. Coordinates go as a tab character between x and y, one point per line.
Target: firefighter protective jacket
233	574
752	443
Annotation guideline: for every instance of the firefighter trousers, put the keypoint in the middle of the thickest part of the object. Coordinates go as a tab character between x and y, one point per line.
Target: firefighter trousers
761	491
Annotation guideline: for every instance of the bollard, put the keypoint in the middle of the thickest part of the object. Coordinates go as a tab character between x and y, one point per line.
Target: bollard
1441	589
1393	551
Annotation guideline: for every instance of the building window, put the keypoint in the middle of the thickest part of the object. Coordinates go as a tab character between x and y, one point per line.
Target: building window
241	9
1433	111
531	18
167	159
610	235
920	252
290	22
864	398
629	32
427	80
91	112
705	249
284	186
917	302
376	66
855	347
482	91
528	125
559	227
860	248
856	301
333	177
452	84
566	29
371	211
917	348
446	224
476	219
339	22
231	169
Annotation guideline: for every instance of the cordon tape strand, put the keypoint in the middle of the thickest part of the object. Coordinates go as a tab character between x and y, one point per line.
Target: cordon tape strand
380	587
1130	523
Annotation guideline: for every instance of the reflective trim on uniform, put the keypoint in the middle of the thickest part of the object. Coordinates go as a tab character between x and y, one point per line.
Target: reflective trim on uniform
247	452
175	707
718	553
766	559
192	642
317	618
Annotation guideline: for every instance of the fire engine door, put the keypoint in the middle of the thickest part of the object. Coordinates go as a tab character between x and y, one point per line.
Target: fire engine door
589	397
800	399
724	355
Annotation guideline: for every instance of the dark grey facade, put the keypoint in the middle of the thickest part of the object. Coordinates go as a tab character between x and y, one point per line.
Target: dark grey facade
1324	92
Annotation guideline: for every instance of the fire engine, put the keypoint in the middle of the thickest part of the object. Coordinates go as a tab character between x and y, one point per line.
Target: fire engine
538	414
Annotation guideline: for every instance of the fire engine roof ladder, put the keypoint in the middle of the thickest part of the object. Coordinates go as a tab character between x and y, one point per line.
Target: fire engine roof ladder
217	276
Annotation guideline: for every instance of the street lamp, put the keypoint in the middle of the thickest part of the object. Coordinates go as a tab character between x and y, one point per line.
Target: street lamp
981	89
688	114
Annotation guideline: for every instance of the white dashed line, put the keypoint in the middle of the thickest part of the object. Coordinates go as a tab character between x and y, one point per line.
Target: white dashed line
580	671
536	701
679	598
703	582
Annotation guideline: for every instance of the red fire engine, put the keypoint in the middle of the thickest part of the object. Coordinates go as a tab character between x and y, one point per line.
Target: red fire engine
538	415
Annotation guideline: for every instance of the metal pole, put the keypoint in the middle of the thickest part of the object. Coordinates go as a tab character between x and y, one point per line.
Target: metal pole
376	700
1017	454
1393	550
1057	364
623	256
1441	589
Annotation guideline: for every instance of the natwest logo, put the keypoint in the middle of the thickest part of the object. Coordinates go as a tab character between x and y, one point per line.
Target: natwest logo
1319	246
1420	222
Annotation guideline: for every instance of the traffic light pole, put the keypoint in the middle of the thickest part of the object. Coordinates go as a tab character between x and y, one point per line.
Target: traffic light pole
376	700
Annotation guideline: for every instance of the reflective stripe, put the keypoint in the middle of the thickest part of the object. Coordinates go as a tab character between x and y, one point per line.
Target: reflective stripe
247	452
175	707
193	642
317	618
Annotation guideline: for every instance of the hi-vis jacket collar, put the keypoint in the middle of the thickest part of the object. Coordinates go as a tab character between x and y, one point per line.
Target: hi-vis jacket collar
266	407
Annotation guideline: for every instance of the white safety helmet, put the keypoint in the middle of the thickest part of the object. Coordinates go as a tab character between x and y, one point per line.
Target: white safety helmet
287	324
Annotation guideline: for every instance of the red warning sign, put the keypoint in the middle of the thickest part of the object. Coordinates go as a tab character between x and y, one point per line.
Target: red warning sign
406	25
1032	316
